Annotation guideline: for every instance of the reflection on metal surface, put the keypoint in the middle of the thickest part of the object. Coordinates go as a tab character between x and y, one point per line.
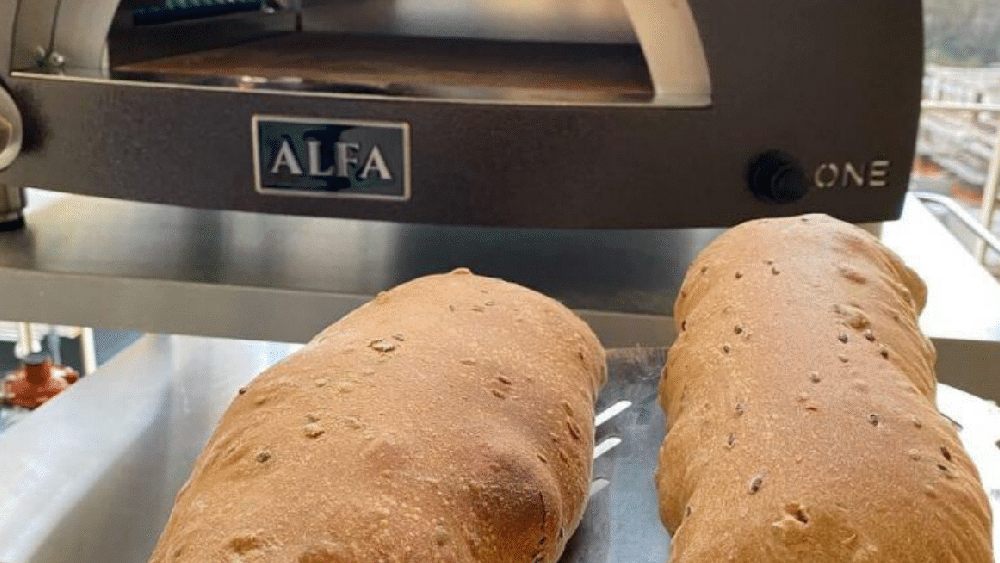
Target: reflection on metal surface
611	412
596	486
606	446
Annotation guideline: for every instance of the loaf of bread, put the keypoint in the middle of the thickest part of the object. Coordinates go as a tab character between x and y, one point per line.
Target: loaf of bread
800	405
450	419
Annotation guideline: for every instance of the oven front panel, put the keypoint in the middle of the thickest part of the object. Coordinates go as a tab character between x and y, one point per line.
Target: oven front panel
818	82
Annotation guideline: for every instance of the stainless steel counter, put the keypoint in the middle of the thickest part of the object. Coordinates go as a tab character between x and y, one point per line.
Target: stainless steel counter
91	476
163	269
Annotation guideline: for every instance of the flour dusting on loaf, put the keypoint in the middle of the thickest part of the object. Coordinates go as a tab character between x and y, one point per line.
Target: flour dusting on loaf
450	419
800	404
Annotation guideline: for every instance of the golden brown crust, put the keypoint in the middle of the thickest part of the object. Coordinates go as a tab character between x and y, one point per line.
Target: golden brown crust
800	401
450	419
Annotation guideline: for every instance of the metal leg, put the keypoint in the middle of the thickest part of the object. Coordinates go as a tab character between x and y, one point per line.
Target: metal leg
11	208
27	344
984	236
989	196
88	354
52	341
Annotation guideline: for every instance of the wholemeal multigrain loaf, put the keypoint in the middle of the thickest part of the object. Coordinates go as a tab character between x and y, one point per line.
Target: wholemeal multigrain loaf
800	401
450	419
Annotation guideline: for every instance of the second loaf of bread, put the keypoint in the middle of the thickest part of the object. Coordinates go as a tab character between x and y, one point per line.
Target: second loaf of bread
800	396
450	419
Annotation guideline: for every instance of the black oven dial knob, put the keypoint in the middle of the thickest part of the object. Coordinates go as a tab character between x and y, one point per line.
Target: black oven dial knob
776	177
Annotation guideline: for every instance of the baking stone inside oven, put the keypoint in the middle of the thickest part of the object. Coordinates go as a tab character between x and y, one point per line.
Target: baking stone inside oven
622	520
411	66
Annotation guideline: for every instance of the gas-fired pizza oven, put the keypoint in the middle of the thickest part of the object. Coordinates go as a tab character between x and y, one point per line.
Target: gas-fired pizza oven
555	113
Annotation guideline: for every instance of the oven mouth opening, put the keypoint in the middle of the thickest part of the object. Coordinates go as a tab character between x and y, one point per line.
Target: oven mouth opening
422	67
641	52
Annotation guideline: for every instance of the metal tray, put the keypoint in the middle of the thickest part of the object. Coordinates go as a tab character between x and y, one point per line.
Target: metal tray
92	475
622	520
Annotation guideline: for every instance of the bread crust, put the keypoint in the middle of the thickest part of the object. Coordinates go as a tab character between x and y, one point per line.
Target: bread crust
450	419
800	401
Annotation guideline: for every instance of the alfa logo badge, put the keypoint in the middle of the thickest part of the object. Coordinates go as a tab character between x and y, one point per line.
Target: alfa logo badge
331	158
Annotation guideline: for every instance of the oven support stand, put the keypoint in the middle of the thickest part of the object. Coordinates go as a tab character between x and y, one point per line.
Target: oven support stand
11	208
